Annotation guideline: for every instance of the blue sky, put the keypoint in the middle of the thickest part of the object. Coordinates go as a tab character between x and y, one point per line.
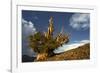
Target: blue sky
77	25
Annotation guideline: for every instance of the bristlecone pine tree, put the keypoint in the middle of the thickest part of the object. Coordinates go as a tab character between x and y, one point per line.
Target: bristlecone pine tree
45	43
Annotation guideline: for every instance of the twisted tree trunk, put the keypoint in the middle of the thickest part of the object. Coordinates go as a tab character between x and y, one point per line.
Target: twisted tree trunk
42	57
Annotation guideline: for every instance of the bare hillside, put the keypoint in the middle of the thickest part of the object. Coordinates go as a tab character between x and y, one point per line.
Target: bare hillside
82	52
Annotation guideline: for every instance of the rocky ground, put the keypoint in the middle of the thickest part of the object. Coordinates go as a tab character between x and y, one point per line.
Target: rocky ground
80	53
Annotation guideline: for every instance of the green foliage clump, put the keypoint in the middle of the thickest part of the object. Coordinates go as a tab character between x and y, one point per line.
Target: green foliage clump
40	44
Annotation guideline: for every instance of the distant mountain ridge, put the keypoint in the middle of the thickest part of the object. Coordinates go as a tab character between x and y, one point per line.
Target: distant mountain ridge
26	58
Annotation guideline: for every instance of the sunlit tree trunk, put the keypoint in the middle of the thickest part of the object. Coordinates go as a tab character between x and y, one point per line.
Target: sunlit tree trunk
42	56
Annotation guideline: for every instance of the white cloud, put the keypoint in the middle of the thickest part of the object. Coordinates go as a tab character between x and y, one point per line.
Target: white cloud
80	21
82	41
27	30
67	47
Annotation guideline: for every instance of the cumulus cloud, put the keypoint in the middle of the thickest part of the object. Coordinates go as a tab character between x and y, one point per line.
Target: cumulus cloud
80	21
27	30
73	45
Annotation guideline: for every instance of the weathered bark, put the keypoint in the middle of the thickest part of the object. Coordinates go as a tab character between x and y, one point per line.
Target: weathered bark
42	57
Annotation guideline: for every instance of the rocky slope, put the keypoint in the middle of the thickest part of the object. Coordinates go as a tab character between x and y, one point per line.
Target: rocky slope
82	52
